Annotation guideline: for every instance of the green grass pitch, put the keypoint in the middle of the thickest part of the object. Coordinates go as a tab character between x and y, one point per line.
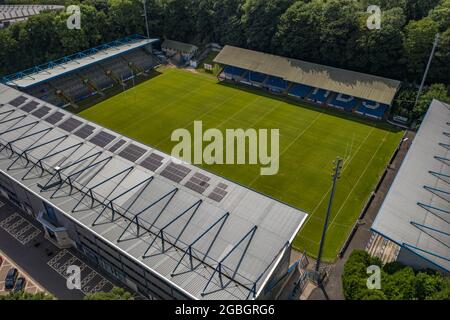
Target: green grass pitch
310	139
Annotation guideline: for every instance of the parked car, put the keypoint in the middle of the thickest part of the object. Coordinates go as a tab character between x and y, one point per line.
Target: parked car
20	284
10	279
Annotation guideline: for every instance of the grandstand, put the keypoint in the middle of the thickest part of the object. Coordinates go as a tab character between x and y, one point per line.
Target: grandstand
71	79
415	212
166	229
14	13
350	91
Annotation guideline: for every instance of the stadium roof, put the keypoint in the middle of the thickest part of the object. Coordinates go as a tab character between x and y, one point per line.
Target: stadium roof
145	203
14	13
416	211
60	67
179	46
352	83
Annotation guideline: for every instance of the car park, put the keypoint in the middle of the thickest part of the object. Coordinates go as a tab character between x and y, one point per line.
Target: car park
10	279
20	284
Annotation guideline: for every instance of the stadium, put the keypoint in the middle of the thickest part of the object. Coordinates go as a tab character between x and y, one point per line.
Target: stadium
86	151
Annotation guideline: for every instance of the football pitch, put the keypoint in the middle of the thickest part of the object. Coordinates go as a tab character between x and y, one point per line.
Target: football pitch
310	140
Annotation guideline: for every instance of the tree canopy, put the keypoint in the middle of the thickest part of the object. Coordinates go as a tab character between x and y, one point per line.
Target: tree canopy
398	282
330	32
23	295
116	293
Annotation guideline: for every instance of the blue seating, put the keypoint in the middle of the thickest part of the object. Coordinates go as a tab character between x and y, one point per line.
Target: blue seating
233	71
343	101
372	109
257	77
319	95
300	90
277	82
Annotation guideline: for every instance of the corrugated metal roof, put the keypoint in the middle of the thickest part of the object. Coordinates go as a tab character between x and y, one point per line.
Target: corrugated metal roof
415	212
352	83
159	203
77	64
18	12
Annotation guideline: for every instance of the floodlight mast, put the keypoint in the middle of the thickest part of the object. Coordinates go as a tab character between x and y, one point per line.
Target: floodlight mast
336	175
435	44
146	19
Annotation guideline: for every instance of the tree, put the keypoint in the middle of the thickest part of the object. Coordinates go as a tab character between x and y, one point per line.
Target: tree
368	294
435	91
116	293
418	43
340	25
354	277
227	25
400	285
260	20
426	285
398	282
7	48
22	295
444	291
178	20
412	9
298	31
440	67
441	15
381	51
125	18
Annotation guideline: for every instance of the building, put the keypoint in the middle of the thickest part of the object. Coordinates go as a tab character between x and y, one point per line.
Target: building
73	78
14	13
179	51
166	229
350	91
415	212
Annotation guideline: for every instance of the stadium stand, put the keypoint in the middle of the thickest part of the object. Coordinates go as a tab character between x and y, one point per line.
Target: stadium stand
277	84
196	228
415	213
300	91
256	77
234	73
119	69
344	102
319	96
97	77
141	59
339	88
81	75
72	87
372	109
45	92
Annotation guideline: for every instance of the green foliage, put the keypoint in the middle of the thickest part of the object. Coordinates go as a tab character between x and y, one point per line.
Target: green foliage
398	282
116	293
22	295
331	32
436	91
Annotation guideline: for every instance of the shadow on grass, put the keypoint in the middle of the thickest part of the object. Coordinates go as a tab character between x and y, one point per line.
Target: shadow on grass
304	104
